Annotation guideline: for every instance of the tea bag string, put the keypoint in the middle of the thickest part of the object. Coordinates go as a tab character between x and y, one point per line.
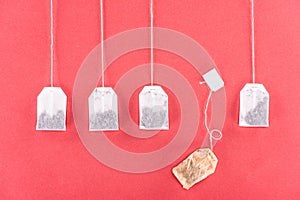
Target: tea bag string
252	41
51	43
151	42
210	132
102	40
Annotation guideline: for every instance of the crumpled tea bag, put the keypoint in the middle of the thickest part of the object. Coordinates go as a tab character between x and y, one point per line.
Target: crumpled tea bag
103	110
196	167
153	105
51	109
254	106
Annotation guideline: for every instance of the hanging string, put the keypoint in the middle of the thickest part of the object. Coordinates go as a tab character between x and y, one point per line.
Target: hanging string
102	40
151	42
210	132
205	111
252	41
51	43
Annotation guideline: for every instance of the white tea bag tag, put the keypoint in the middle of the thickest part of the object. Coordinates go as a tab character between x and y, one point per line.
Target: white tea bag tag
51	109
153	106
254	106
213	80
103	110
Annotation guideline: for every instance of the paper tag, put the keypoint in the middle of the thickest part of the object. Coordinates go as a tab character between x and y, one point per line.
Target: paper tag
103	110
213	80
254	106
51	109
198	166
153	105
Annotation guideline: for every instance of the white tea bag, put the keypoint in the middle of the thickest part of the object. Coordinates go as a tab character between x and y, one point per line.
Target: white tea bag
153	106
51	109
254	106
103	110
196	167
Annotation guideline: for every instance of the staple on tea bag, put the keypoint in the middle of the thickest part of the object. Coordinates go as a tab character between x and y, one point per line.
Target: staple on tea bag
254	106
51	109
153	105
103	110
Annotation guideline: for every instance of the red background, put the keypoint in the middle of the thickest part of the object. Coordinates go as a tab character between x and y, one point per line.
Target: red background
254	163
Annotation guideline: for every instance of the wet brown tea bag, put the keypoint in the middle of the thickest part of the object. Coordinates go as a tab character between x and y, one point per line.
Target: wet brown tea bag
196	167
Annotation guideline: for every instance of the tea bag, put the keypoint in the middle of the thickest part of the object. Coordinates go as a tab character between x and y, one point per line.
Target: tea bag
203	162
254	98
103	110
196	167
254	106
51	109
153	105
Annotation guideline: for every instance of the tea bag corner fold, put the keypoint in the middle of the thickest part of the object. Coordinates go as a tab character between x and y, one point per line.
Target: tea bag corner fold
51	109
254	106
103	110
196	167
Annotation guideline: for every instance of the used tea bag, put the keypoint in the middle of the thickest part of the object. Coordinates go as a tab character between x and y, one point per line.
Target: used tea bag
254	106
103	110
202	162
196	167
51	109
153	105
